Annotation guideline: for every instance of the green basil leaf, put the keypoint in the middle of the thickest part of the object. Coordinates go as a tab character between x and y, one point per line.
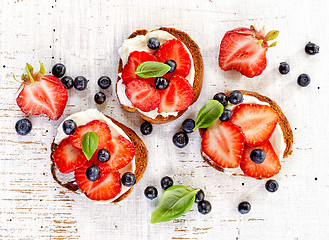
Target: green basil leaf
208	114
152	69
89	144
175	201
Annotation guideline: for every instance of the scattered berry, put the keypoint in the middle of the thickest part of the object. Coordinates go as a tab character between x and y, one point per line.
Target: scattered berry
153	43
180	139
161	83
188	125
199	197
103	155
92	173
146	128
104	82
226	115
166	182
284	68
222	98
23	126
235	97
272	185
67	82
99	98
128	179
172	65
69	127
303	80
151	192
258	156
58	70
204	207
80	83
312	48
244	207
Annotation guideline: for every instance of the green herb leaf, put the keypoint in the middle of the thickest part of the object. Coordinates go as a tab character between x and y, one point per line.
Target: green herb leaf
175	201
152	69
208	114
271	35
89	144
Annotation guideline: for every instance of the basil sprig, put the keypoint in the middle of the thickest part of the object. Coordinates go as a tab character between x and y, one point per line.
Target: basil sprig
175	201
151	69
89	144
208	114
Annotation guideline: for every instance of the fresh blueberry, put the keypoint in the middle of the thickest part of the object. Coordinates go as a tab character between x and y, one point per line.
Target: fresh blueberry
69	127
103	155
188	125
199	197
222	98
166	182
161	83
153	43
104	82
128	179
284	68
244	207
303	80
67	82
151	192
312	48
272	185
235	97
172	65
146	128
23	126
204	207
99	98
258	156
92	173
226	115
180	139
80	83
58	70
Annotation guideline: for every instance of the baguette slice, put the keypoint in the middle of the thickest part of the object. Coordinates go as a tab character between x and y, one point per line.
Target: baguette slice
140	162
198	66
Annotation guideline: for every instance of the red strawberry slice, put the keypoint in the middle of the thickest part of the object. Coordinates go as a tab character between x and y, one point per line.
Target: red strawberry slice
106	187
256	121
142	95
270	167
122	151
68	158
175	50
224	142
178	96
101	128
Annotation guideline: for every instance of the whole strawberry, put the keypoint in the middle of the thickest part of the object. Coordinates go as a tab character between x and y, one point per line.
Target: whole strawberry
42	94
245	49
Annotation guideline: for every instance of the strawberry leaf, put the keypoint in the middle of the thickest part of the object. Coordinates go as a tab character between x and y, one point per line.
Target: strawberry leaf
151	69
272	45
271	35
89	144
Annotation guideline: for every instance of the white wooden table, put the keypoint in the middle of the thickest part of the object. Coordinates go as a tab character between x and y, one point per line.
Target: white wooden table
85	36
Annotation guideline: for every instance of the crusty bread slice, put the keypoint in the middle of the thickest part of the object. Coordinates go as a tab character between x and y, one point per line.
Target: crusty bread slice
198	66
283	122
140	161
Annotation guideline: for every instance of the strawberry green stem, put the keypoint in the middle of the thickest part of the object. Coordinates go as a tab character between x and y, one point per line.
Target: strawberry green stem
29	69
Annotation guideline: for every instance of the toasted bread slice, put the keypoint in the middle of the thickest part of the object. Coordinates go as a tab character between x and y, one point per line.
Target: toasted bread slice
198	66
140	162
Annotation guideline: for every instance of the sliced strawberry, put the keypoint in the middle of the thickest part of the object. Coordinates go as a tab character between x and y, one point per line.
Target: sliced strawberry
223	142
270	167
101	128
256	121
178	96
142	95
175	50
67	157
106	187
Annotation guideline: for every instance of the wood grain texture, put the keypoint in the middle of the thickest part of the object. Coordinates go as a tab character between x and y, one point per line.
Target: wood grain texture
85	36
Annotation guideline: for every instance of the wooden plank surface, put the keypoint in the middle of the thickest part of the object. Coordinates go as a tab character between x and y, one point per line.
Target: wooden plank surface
85	36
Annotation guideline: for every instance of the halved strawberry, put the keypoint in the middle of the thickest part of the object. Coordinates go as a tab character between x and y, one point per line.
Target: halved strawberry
178	96
270	167
175	50
67	157
106	187
224	142
101	128
142	95
256	121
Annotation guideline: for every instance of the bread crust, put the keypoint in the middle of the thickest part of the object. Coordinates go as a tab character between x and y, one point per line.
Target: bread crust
198	66
140	160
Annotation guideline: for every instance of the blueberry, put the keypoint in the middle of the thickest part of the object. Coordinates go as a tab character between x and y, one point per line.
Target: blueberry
235	97
222	98
103	155
271	185
146	128
226	115
258	156
92	173
188	125
128	179
69	127
180	139
284	68
67	82
104	82
166	182
58	70
80	83
172	65
303	80
23	126
161	83
199	197
204	207
244	207
151	192
99	98
153	43
312	48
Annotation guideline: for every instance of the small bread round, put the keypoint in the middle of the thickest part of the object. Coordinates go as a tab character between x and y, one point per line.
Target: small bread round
198	66
140	161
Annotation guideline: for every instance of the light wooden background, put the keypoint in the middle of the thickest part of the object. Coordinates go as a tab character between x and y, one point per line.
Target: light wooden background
85	36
